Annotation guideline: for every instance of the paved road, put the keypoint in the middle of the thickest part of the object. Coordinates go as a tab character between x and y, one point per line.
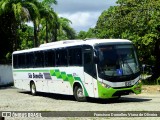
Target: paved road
12	99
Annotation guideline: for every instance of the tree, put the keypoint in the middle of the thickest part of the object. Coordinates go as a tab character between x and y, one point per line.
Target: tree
135	20
53	27
64	29
26	36
12	14
82	35
87	34
48	18
91	33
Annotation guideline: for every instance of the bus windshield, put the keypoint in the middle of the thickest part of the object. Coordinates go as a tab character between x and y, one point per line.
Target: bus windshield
117	60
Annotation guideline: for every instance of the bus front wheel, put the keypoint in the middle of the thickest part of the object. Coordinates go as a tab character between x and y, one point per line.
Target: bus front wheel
33	88
78	94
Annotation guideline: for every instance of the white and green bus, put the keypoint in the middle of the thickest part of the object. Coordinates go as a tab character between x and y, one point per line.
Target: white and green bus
97	68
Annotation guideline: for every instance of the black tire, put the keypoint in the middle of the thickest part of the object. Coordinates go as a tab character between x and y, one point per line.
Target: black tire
79	95
33	88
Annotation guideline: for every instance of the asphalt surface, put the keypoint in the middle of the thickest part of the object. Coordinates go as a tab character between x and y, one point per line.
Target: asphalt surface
12	99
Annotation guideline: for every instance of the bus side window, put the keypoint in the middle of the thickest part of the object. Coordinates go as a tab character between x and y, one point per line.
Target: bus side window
49	58
39	59
30	59
75	56
61	57
21	60
15	61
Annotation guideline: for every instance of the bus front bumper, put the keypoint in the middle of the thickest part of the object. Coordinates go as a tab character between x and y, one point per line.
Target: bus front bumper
104	92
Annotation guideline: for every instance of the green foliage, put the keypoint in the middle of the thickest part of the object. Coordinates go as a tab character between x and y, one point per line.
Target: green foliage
82	35
26	37
49	2
8	56
148	82
158	81
16	36
64	29
15	13
89	34
135	20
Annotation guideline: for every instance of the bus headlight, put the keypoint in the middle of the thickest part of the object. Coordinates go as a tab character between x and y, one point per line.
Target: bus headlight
139	82
105	85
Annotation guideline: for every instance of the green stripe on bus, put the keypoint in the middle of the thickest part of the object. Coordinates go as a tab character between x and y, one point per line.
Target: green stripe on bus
59	75
64	76
67	77
70	79
30	70
52	73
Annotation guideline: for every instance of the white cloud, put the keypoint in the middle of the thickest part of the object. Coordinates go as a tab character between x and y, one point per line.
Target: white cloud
83	13
82	20
72	6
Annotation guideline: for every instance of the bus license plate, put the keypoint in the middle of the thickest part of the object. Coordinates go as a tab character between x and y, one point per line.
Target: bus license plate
128	83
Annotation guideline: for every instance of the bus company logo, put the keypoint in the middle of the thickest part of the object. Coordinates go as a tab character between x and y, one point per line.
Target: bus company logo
6	114
29	75
34	75
47	75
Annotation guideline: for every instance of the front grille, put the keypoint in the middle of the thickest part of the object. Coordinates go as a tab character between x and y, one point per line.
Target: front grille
124	92
122	87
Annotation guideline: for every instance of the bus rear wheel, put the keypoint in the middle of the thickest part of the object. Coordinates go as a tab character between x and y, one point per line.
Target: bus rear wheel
79	95
33	88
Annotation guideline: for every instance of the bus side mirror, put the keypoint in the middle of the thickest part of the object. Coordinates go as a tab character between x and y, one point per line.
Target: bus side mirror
96	59
143	68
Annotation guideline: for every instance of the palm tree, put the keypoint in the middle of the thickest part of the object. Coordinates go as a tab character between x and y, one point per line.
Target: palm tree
52	26
65	28
48	19
18	11
33	7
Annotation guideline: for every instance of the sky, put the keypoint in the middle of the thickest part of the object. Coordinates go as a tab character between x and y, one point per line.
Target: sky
82	13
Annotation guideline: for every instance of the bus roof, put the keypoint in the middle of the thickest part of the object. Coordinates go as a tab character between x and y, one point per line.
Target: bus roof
67	43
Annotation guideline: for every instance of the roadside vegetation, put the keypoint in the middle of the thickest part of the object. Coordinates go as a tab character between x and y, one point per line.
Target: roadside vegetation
136	20
16	34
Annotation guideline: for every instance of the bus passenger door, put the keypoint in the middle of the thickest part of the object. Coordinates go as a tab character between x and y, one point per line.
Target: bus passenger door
89	70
